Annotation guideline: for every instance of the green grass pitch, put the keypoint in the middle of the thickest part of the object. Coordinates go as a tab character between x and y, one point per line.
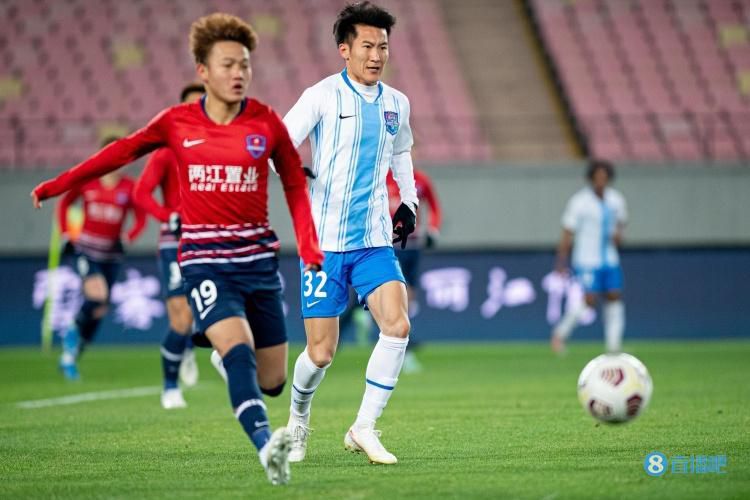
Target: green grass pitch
481	421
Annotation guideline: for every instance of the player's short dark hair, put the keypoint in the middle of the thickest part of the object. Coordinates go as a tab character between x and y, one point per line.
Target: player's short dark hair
219	27
109	139
190	88
595	165
345	30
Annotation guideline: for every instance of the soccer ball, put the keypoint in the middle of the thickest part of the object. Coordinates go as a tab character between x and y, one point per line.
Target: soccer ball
614	388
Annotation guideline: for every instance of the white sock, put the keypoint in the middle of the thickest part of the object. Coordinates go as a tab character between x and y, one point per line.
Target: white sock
381	377
614	324
569	320
307	378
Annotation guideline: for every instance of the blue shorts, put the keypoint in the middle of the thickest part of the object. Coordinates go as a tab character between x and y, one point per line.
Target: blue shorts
169	273
325	294
87	266
409	261
601	279
254	293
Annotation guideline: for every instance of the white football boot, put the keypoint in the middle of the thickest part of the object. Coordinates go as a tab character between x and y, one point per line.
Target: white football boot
171	399
274	456
218	364
299	431
367	440
189	368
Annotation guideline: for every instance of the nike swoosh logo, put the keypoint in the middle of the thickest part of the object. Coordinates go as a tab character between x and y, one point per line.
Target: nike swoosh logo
310	304
206	311
261	424
348	116
187	143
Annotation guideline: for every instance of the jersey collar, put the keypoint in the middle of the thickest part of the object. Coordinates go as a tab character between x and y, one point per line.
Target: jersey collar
243	105
349	83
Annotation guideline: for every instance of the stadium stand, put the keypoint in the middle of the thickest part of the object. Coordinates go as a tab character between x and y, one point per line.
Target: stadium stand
74	70
654	80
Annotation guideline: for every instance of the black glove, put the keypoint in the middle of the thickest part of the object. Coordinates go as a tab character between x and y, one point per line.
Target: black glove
430	239
68	249
309	173
174	224
404	223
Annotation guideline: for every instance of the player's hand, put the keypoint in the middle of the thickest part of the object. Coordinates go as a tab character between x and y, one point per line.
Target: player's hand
617	239
67	247
562	269
309	173
404	223
35	200
174	224
313	266
431	238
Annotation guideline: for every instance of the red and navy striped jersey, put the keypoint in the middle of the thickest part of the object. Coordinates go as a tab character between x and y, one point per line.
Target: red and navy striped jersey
223	177
105	209
160	172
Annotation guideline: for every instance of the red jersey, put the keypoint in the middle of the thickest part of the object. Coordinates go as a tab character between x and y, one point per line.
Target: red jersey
425	192
160	171
104	212
223	177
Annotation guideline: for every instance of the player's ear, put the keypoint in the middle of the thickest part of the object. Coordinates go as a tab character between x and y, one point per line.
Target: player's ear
202	71
344	51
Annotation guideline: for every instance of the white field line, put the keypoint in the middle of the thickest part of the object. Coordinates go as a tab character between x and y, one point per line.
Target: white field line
89	396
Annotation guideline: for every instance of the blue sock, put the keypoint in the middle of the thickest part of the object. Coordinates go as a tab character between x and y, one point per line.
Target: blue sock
172	348
245	395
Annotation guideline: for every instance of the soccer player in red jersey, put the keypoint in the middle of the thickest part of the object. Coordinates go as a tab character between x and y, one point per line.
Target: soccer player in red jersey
177	356
227	248
107	201
409	257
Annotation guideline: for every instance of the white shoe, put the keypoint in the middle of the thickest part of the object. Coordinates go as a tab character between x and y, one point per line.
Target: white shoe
189	368
274	456
367	439
299	430
172	399
218	364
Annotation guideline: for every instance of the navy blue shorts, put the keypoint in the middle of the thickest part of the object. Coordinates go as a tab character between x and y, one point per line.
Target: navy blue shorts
409	261
169	273
87	267
253	293
325	294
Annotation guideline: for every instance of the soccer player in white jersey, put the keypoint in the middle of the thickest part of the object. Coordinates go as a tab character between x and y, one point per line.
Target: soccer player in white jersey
593	223
359	128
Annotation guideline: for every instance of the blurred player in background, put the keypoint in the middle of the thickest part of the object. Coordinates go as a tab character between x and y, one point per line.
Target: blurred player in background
107	201
593	223
177	356
409	257
228	251
358	127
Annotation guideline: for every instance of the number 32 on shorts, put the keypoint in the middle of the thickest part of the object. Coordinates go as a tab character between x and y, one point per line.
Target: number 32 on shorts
314	283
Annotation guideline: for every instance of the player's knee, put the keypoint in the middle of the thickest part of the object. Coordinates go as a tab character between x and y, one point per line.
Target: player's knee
590	300
613	296
181	323
275	390
399	328
321	355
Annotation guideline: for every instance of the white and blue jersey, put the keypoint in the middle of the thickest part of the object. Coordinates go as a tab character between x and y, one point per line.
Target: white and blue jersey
593	222
357	133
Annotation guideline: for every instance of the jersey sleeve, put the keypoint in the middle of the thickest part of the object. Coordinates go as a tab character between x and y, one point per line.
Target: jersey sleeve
62	208
304	115
622	210
112	157
289	167
401	162
570	215
150	179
